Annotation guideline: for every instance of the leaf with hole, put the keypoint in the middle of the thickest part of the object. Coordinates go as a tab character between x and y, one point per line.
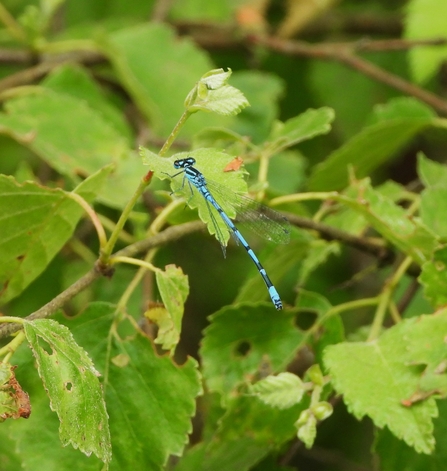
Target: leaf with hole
72	384
241	340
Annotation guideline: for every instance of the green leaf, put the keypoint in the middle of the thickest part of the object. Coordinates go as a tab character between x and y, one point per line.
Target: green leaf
434	278
426	348
11	460
212	93
37	222
211	163
395	454
263	92
432	174
51	124
401	107
307	428
426	19
174	289
248	417
150	401
352	221
393	367
202	10
315	375
241	454
213	80
71	382
75	81
158	70
221	138
227	101
318	253
322	410
313	302
282	391
432	213
305	126
247	432
404	231
38	443
277	261
330	332
368	150
241	333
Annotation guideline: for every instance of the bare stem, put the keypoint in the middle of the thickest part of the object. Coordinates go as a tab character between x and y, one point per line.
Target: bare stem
385	298
346	54
93	217
168	235
108	248
186	114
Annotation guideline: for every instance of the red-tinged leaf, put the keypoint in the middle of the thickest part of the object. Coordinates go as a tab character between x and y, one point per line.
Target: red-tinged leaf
14	401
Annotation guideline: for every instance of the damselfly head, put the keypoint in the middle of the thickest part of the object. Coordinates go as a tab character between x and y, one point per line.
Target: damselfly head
185	163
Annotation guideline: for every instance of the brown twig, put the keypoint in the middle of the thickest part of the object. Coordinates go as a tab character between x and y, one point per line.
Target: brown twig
16	56
345	54
168	235
385	45
327	232
161	10
355	23
32	74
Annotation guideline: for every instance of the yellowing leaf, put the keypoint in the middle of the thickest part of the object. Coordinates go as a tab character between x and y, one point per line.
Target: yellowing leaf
174	289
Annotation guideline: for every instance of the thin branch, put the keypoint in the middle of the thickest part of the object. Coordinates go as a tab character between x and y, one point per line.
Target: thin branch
385	45
161	10
327	232
55	304
381	75
16	56
168	235
32	74
335	21
212	35
345	54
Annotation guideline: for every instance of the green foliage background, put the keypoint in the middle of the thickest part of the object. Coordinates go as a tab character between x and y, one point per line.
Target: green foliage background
159	353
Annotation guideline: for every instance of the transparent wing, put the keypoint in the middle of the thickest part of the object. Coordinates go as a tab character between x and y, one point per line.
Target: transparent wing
262	220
